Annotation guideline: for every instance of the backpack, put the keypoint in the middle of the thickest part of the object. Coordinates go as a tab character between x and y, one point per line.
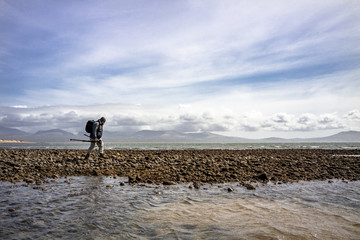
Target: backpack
89	126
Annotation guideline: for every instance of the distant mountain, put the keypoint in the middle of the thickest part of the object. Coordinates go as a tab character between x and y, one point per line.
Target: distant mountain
170	136
206	137
349	136
58	135
272	139
54	135
153	136
12	134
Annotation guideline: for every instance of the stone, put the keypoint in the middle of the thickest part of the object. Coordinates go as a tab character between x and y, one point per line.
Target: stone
249	186
166	182
263	177
197	185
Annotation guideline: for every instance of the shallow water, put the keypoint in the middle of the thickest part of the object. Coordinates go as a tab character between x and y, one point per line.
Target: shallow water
91	208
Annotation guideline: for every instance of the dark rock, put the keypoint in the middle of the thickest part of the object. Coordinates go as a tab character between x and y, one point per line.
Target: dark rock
29	180
166	182
197	185
249	186
39	182
132	179
263	177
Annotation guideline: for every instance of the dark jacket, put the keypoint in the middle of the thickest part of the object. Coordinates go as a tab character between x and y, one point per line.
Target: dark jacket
97	130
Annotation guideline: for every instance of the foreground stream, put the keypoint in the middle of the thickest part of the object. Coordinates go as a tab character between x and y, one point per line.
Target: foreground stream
105	208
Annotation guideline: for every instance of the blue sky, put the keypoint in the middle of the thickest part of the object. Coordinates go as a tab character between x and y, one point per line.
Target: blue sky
238	68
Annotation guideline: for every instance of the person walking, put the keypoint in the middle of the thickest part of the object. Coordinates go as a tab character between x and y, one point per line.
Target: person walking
95	137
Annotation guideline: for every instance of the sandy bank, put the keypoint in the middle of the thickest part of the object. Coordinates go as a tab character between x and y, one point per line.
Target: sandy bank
175	166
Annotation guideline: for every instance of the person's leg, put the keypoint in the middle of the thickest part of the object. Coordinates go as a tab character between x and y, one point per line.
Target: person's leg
101	148
92	146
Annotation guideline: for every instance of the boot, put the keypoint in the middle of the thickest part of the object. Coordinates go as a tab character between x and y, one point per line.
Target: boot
87	156
102	155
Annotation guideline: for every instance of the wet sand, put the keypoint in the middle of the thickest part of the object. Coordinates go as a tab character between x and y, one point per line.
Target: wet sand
180	166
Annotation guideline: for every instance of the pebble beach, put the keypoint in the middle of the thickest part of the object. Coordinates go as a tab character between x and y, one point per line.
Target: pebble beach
182	166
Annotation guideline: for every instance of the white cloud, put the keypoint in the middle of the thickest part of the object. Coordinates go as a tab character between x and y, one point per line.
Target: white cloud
20	106
353	115
304	122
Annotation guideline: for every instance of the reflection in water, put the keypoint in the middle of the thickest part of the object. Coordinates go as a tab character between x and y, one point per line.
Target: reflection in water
99	208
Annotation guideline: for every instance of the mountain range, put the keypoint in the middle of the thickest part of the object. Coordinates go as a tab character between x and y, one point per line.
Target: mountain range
58	135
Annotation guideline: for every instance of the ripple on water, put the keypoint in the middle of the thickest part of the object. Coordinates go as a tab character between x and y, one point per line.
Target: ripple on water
251	217
86	208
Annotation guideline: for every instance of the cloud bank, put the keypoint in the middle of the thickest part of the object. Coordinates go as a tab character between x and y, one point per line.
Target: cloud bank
132	118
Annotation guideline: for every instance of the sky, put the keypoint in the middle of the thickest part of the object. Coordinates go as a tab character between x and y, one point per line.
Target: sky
254	69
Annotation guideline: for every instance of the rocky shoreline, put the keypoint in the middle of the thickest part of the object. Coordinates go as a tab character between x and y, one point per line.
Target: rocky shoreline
182	166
